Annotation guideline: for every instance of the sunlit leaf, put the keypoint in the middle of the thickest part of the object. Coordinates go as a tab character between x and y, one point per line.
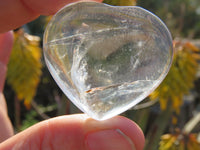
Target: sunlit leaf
179	141
24	68
120	2
180	77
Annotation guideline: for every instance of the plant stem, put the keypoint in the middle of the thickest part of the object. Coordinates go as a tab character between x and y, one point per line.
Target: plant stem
17	113
157	129
190	125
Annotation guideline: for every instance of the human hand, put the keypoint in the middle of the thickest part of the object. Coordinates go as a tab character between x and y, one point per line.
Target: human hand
72	132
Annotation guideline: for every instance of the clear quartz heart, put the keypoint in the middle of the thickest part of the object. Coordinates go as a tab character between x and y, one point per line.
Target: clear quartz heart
107	59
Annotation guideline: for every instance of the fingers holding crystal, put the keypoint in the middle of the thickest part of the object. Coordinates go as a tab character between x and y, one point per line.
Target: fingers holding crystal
75	132
6	42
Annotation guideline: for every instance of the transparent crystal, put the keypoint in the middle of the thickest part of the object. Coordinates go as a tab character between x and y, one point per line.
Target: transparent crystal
107	59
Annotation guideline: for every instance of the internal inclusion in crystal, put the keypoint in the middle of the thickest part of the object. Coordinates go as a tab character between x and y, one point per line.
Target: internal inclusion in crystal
106	68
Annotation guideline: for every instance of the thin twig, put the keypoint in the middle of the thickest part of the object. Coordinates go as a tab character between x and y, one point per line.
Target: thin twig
40	112
190	125
145	105
17	113
198	137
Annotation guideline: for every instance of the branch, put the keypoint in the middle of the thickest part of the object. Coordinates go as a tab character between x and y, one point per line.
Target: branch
145	105
190	125
39	111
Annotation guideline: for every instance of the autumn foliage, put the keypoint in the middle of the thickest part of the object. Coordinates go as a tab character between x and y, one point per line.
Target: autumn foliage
24	68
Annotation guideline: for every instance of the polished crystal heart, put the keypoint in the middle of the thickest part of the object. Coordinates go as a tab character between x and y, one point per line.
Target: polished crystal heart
107	59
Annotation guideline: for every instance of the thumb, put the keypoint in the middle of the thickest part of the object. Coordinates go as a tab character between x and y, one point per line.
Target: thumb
78	132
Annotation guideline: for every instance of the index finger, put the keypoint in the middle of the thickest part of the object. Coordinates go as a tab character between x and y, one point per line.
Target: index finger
6	42
15	13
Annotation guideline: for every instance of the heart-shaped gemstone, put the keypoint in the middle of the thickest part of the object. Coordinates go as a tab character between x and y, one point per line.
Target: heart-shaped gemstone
107	59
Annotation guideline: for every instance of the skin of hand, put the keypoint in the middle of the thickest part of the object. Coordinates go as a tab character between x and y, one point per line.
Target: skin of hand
72	132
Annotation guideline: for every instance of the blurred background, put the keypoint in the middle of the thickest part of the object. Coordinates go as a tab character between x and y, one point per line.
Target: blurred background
169	117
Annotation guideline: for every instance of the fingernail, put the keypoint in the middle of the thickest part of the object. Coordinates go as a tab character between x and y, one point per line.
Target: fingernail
109	140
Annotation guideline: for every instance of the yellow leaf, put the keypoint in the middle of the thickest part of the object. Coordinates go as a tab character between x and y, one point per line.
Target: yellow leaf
24	68
180	77
179	141
120	2
174	120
